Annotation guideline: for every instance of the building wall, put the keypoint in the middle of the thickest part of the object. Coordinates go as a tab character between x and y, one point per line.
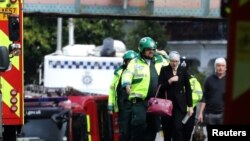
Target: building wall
205	52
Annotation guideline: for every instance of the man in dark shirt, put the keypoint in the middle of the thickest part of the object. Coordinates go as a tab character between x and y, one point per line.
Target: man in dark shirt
213	98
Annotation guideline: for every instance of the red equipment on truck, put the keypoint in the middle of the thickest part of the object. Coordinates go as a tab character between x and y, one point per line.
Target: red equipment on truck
75	117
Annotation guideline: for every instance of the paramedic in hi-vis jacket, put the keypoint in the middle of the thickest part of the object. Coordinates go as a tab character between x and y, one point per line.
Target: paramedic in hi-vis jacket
118	98
197	95
140	81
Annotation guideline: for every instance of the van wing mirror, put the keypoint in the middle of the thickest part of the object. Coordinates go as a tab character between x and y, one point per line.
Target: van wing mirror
14	28
4	59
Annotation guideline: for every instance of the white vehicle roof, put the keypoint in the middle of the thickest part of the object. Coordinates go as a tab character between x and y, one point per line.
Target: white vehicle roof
92	50
78	50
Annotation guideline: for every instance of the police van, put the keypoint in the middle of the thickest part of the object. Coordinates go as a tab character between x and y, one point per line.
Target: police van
82	67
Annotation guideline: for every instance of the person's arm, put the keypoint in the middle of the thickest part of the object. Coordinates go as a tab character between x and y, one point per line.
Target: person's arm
188	92
161	77
203	103
164	56
173	79
127	77
161	82
112	90
201	110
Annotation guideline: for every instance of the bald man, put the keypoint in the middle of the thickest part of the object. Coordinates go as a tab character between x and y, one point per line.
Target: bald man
212	103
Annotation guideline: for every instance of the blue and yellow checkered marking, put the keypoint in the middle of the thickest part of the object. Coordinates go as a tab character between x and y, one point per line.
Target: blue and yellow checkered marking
84	65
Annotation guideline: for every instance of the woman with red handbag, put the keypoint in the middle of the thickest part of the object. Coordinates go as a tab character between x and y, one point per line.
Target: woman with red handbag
174	79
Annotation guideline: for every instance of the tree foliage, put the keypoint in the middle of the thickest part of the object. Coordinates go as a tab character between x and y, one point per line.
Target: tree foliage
152	29
39	39
89	31
40	35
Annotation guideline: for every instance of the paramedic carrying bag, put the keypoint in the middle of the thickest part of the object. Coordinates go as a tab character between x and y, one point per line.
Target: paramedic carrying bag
160	106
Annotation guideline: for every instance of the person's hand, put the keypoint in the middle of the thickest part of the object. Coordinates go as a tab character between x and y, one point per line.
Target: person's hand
200	118
128	89
161	52
173	79
190	111
110	112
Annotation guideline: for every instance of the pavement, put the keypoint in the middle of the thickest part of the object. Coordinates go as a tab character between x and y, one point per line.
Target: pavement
159	136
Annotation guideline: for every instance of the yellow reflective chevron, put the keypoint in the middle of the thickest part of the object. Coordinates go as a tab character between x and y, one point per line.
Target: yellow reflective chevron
6	88
6	42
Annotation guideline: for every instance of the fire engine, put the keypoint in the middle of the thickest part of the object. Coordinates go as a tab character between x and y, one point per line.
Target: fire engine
11	76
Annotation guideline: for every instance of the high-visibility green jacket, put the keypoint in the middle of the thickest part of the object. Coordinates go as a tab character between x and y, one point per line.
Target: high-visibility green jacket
137	75
112	101
196	90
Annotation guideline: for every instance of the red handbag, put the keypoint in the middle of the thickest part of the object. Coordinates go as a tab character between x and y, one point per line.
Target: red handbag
160	106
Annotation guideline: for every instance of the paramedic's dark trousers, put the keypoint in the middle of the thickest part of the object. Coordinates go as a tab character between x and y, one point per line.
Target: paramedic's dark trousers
124	121
144	126
138	120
